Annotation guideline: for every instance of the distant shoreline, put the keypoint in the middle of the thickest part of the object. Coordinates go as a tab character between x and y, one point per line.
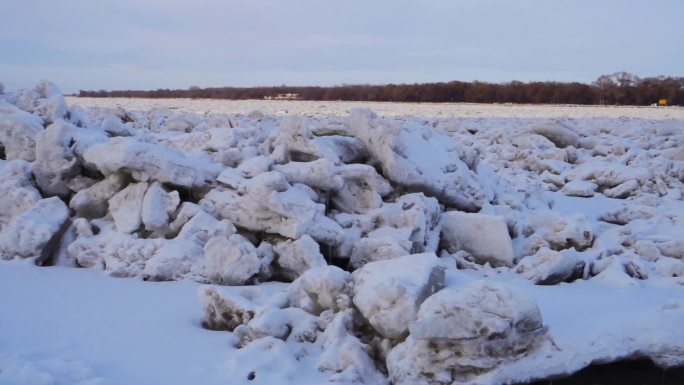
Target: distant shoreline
620	88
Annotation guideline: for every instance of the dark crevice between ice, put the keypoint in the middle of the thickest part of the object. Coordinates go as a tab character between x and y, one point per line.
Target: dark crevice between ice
626	372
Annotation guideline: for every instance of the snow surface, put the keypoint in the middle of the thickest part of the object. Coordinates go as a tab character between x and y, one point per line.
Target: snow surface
76	326
69	326
486	244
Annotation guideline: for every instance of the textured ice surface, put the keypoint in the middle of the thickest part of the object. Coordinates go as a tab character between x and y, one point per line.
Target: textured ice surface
484	237
388	293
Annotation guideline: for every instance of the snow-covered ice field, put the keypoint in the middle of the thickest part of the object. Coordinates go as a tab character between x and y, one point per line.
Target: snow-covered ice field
263	242
340	108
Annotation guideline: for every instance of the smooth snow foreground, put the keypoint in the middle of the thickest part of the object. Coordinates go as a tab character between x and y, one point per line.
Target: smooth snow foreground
408	249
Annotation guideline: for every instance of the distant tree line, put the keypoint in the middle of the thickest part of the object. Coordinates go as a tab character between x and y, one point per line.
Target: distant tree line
620	88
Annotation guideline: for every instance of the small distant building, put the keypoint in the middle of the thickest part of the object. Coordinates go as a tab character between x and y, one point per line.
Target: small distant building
662	102
283	97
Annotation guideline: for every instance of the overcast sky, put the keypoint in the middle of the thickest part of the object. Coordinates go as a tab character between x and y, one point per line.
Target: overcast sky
149	44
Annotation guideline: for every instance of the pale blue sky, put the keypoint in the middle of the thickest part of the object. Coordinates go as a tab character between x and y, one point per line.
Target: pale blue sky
149	44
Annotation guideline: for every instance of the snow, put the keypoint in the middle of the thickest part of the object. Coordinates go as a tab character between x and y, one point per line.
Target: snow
64	325
476	244
139	319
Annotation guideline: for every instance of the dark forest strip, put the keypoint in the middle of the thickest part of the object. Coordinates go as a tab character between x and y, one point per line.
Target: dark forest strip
620	88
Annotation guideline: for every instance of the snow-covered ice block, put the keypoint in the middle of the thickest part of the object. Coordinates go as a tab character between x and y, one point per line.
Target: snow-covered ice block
340	149
174	260
383	243
289	324
294	258
223	311
181	122
669	267
17	189
121	255
202	227
540	155
270	204
608	174
420	160
362	190
623	190
417	213
18	131
627	213
672	248
549	267
614	271
252	167
56	160
93	202
481	309
148	161
560	232
483	236
295	142
32	233
675	154
114	127
321	288
557	133
554	179
535	142
388	293
157	205
320	174
677	170
465	331
647	250
45	100
345	355
126	207
579	188
411	217
231	261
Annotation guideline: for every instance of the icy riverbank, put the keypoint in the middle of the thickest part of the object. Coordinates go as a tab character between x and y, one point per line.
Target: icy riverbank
346	247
